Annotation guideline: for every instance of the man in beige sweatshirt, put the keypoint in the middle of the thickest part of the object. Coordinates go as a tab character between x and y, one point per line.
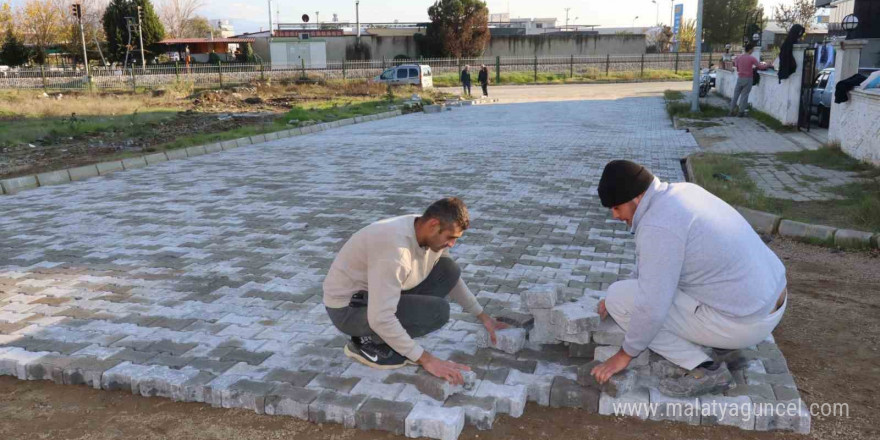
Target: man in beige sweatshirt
389	284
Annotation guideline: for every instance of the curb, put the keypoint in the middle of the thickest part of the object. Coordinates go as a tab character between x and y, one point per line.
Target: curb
18	184
772	224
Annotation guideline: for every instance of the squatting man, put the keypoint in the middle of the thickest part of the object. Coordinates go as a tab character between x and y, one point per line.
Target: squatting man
703	278
389	284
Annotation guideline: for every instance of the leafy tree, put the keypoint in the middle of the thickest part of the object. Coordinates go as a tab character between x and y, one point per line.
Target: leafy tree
42	25
199	27
796	12
6	18
13	52
687	34
724	20
116	28
459	28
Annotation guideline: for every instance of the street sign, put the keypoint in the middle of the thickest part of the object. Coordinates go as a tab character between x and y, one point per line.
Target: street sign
676	24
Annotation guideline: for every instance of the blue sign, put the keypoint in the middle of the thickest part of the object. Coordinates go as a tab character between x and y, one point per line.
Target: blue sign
676	24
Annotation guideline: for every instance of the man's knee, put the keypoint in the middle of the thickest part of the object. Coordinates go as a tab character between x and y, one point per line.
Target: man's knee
618	300
450	272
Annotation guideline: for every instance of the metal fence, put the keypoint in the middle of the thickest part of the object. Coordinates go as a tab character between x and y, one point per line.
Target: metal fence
225	74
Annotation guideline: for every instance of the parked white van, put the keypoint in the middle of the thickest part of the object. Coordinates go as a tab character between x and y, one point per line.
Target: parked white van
415	74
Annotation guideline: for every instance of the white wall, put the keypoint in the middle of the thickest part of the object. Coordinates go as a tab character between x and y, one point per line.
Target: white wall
858	125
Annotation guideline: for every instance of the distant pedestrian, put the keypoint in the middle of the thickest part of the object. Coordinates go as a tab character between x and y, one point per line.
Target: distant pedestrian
465	78
483	78
745	65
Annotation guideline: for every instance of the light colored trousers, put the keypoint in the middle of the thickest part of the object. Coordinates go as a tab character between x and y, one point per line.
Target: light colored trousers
690	325
741	92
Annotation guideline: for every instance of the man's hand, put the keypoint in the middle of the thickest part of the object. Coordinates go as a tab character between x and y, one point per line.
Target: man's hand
613	365
601	310
448	370
491	325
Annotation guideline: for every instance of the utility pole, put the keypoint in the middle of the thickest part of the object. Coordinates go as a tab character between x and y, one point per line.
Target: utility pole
270	17
657	13
141	37
698	50
357	19
566	18
317	19
77	12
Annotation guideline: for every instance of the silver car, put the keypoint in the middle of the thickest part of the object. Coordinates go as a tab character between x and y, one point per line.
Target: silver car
823	93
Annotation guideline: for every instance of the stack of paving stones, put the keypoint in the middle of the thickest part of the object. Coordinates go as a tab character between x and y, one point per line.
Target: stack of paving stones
200	280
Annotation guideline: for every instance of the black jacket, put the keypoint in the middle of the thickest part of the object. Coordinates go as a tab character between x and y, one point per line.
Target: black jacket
465	77
787	64
841	90
483	77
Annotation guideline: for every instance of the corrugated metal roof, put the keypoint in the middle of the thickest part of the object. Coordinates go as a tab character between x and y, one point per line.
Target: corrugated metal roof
206	40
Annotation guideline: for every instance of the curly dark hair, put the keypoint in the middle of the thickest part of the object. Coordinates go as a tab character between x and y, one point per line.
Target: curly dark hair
449	211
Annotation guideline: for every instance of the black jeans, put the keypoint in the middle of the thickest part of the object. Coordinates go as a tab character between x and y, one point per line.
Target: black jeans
466	87
485	87
421	310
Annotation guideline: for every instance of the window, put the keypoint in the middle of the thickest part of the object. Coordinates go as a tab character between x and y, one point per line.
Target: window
401	73
823	80
388	74
413	72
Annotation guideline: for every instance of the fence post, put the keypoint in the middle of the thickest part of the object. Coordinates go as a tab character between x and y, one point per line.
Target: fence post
43	74
607	63
177	71
343	69
571	67
710	59
262	72
642	70
536	68
303	62
133	80
383	63
220	73
676	62
498	69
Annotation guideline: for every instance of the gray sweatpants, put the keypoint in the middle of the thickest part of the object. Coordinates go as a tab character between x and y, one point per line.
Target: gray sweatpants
421	310
741	93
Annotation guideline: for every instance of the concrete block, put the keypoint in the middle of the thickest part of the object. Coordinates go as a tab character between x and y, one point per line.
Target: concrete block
775	365
433	422
257	139
271	136
176	154
573	318
247	394
543	331
727	411
586	351
635	403
383	415
579	338
194	389
608	333
604	352
87	371
198	150
771	415
83	172
618	384
479	412
53	178
105	168
511	399
229	145
538	386
49	367
761	222
544	296
785	394
331	406
434	387
849	238
673	408
155	158
412	395
793	229
244	141
17	184
289	400
755	392
433	108
120	376
510	340
132	163
370	388
567	393
162	381
755	378
213	148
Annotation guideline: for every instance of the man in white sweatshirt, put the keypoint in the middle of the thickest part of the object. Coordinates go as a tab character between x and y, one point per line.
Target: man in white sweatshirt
389	284
703	278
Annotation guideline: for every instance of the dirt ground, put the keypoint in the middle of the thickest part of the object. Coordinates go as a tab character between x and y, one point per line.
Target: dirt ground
829	336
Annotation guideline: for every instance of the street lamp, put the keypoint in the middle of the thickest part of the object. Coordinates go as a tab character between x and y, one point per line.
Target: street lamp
849	24
657	15
634	21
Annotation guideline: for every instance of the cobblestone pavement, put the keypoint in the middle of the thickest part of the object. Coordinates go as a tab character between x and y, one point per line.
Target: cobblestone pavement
798	182
200	279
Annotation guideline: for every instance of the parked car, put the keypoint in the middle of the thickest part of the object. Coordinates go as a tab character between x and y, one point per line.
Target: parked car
414	74
823	93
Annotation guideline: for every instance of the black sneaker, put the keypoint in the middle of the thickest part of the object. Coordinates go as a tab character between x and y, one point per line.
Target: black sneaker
697	382
372	354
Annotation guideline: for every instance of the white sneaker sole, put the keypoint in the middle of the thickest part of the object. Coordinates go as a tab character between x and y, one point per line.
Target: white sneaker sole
360	358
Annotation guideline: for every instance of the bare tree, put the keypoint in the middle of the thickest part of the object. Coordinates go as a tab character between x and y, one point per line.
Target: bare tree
177	16
796	12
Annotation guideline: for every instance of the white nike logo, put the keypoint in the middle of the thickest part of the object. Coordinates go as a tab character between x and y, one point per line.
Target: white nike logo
373	358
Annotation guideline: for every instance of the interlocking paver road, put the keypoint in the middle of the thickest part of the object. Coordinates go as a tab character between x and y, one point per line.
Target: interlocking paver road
200	279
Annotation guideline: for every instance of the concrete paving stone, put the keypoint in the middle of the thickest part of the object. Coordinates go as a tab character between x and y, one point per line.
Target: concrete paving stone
788	416
523	365
193	390
134	356
195	151
510	340
83	172
567	393
479	412
229	145
515	318
727	411
783	379
381	390
412	395
573	318
162	381
785	394
213	148
17	184
434	387
172	323
334	407
634	403
210	365
155	158
53	178
433	422
241	355
776	365
296	378
48	367
176	154
537	386
604	352
170	347
105	168
540	297
132	163
618	384
383	415
685	410
578	338
290	400
608	333
511	399
335	383
755	392
586	351
247	394
852	239
119	377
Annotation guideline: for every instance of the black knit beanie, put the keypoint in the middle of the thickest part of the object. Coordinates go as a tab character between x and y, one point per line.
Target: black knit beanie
623	181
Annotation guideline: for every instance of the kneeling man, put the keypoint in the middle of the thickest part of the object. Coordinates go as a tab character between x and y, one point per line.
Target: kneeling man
389	284
703	278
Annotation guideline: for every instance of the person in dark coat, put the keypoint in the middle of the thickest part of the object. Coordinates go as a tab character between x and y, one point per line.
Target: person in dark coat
787	64
483	78
465	78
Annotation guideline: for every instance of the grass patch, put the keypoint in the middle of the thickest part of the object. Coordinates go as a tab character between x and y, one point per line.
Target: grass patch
829	156
682	109
24	130
770	121
860	208
589	76
673	95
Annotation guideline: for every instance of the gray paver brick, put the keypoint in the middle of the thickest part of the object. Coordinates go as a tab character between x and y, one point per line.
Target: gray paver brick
331	406
433	422
383	415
